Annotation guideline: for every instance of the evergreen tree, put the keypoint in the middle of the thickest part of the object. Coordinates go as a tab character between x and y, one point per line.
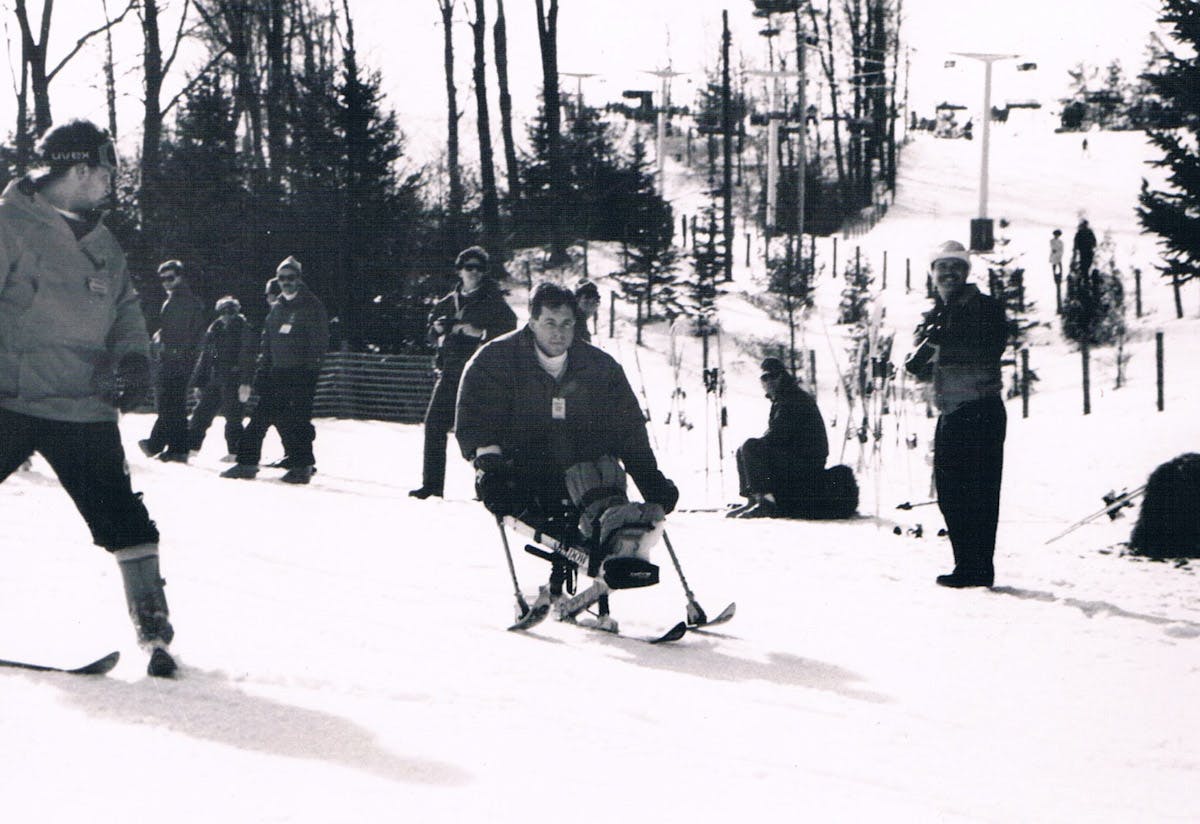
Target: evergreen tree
1174	213
646	233
1006	283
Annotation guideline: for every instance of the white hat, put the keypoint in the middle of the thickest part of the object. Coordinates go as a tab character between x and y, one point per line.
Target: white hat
950	250
290	262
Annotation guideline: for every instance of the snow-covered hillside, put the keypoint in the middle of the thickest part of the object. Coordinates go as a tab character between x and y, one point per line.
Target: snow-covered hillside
343	648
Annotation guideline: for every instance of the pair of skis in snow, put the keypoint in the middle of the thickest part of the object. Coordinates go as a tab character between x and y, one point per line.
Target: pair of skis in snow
98	667
568	609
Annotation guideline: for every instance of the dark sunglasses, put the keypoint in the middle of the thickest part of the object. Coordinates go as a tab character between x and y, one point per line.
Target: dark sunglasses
168	277
470	267
287	278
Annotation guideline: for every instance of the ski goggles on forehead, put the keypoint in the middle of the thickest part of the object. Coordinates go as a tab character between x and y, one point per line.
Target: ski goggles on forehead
105	154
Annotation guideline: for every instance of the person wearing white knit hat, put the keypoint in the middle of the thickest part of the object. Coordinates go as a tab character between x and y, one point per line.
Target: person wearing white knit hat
965	335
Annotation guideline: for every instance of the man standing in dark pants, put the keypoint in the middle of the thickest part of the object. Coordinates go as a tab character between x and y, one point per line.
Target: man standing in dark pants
226	362
1084	250
74	351
294	339
181	329
967	332
475	312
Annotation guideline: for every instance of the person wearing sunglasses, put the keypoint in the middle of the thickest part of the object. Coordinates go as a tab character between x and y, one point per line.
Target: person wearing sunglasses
474	312
74	352
294	339
182	324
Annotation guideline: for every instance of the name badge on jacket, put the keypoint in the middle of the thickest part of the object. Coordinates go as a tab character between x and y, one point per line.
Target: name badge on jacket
285	329
558	409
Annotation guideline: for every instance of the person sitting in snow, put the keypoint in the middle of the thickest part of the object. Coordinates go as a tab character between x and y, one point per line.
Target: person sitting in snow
780	470
552	427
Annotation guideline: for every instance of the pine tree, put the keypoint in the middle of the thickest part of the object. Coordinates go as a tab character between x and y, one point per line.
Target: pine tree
1006	283
1174	213
646	234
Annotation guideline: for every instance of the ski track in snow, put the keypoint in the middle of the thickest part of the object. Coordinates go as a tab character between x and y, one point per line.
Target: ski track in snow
343	647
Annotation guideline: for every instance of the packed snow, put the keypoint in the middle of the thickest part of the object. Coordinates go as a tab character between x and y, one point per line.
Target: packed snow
343	647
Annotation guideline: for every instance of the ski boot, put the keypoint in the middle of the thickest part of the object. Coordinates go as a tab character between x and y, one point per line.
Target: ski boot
148	605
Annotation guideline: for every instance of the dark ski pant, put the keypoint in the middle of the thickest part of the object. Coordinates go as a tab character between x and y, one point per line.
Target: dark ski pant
968	461
170	430
90	464
285	401
439	420
763	470
221	395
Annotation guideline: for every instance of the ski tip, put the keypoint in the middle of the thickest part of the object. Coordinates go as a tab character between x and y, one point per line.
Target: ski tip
725	615
673	634
100	666
534	616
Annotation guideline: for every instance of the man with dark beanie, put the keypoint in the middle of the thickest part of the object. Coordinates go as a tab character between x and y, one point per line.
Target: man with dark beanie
294	339
784	467
74	351
473	313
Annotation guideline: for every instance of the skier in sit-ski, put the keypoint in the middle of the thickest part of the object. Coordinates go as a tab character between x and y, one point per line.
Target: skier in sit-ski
552	427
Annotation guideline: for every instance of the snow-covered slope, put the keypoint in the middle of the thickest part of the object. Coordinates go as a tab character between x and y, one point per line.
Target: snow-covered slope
343	646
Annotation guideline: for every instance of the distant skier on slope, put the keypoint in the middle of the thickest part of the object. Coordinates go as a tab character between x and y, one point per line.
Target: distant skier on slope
966	334
73	351
552	426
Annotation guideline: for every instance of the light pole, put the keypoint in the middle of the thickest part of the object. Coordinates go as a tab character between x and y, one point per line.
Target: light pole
982	238
665	76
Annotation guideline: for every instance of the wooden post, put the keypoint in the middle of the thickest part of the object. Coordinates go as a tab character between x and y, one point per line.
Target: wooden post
883	283
907	275
638	340
1087	379
747	248
612	313
1158	356
1178	299
812	258
1024	383
1137	290
835	272
812	370
858	263
683	229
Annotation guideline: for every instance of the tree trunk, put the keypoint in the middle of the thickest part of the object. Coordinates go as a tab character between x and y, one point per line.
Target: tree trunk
33	53
110	80
152	71
487	171
726	149
500	33
278	78
829	68
455	205
548	41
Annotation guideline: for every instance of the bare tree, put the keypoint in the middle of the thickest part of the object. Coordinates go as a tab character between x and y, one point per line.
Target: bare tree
231	24
487	172
110	79
500	35
455	205
33	56
548	42
829	69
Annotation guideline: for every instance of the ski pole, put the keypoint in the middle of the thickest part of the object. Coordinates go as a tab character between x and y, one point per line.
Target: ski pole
521	603
1117	503
695	614
906	505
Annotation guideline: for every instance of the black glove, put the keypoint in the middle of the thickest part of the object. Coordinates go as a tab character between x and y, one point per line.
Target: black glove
496	485
930	328
659	489
133	382
443	325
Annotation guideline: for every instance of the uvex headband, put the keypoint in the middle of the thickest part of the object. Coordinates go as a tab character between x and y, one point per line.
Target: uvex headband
104	154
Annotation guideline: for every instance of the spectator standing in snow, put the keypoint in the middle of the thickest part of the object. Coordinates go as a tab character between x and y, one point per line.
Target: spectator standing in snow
967	334
786	464
182	323
587	296
294	339
226	362
1084	250
473	313
69	314
552	426
1056	258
